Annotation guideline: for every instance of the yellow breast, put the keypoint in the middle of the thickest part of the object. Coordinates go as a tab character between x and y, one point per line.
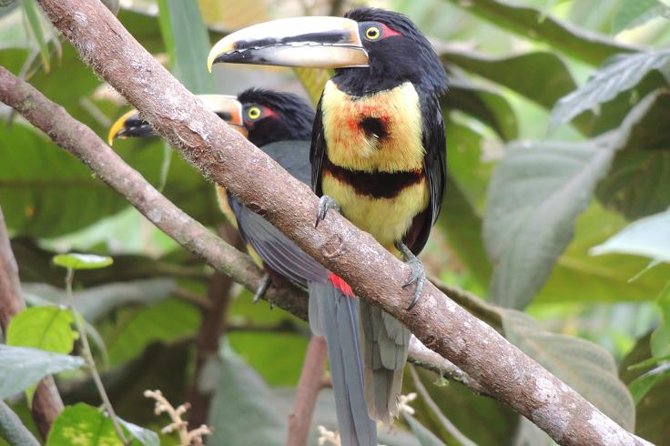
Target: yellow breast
351	143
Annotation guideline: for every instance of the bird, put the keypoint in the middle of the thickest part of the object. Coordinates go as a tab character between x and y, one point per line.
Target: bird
378	150
280	124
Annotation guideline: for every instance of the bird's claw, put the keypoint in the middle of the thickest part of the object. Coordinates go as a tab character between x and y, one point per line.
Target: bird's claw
262	288
417	276
326	203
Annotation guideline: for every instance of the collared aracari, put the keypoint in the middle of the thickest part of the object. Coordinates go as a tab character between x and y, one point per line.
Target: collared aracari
378	147
281	124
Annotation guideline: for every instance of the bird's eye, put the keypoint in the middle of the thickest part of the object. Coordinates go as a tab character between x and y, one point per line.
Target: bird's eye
254	113
373	33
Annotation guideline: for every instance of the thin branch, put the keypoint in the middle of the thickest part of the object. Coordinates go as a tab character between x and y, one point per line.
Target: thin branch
47	403
376	275
309	385
446	423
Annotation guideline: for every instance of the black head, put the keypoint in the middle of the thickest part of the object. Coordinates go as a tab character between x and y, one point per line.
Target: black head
397	52
271	116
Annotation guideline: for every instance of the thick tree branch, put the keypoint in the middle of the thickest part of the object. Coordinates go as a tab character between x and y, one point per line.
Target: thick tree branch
376	275
47	403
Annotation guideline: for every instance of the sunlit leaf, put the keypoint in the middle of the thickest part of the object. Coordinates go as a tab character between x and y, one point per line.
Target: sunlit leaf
46	328
21	367
649	237
83	425
78	261
534	24
617	76
635	13
584	366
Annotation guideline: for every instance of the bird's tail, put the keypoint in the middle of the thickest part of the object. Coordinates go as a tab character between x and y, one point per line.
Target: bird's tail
385	342
333	313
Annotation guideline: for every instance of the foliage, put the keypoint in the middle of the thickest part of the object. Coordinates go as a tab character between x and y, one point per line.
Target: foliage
561	227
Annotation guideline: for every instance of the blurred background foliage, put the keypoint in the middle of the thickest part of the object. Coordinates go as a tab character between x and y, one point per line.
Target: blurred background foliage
556	214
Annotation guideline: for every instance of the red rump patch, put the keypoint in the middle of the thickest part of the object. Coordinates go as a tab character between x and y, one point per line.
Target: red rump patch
341	285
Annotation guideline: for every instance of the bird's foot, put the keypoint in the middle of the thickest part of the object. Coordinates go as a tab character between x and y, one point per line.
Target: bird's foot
417	276
262	288
326	203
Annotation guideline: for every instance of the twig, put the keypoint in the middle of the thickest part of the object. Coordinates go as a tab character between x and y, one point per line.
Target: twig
374	273
448	425
191	297
90	362
47	403
309	385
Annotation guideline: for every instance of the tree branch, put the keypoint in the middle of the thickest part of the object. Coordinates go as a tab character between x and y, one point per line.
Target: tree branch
375	274
47	403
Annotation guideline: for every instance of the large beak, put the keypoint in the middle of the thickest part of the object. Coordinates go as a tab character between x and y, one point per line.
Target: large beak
317	42
131	124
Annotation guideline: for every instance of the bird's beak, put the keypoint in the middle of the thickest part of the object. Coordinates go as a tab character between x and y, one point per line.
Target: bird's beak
131	124
317	42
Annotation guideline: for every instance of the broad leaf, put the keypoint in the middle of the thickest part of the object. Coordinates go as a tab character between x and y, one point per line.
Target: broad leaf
635	13
94	302
83	425
660	338
34	17
649	237
77	261
46	328
620	74
584	366
21	367
244	410
531	23
534	198
144	436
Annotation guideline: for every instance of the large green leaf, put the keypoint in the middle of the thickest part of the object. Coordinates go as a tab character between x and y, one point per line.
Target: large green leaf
94	302
584	366
244	410
535	196
617	76
649	237
46	328
21	367
534	24
187	43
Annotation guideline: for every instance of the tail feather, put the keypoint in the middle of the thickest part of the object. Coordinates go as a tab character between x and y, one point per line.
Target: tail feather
385	342
334	315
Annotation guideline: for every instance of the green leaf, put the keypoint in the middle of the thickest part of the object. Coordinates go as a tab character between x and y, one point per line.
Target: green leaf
535	196
635	13
425	437
94	302
33	15
584	366
46	328
244	411
82	425
21	367
533	24
187	43
79	261
620	74
649	237
12	428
